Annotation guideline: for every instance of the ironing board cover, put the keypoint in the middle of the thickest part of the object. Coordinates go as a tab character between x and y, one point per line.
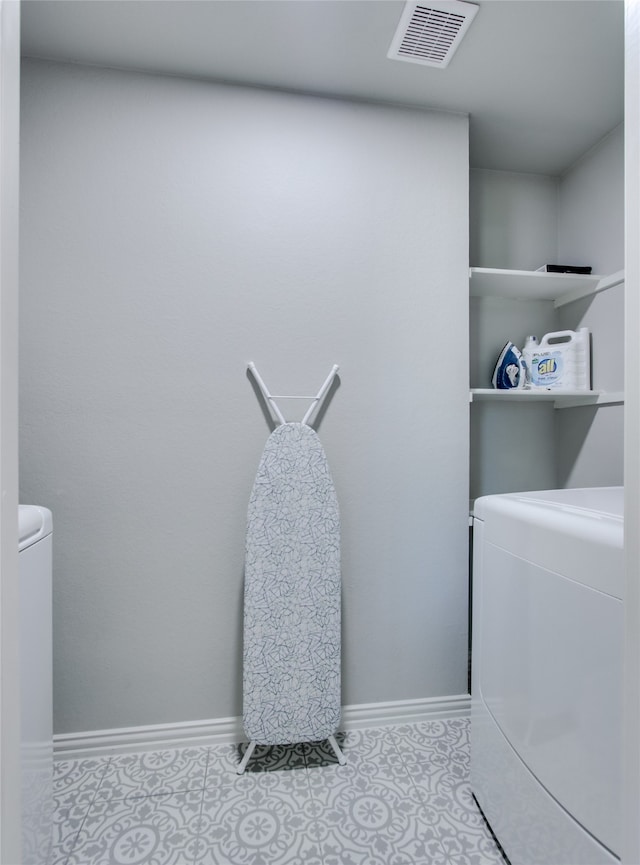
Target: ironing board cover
291	678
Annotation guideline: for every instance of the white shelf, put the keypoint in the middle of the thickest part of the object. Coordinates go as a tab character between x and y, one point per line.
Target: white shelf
560	398
562	288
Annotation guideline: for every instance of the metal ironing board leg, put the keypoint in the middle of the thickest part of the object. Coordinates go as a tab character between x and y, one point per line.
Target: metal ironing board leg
341	758
246	758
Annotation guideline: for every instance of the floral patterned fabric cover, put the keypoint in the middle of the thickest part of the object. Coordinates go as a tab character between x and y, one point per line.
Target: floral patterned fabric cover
291	677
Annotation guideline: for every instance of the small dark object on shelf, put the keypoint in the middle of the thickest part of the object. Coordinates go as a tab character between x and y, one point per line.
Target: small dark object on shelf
563	268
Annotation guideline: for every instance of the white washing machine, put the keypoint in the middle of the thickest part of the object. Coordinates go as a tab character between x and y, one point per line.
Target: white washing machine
546	718
34	558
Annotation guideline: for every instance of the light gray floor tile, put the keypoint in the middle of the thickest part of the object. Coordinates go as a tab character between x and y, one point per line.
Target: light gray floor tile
468	843
68	817
154	773
422	742
366	820
372	753
155	830
461	828
284	781
263	825
78	776
223	761
327	781
436	754
458	802
75	785
403	798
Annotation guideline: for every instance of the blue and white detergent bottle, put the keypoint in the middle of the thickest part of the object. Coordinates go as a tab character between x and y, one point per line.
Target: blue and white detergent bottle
560	362
509	372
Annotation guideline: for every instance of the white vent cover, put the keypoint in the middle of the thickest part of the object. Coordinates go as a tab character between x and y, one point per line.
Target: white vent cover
429	33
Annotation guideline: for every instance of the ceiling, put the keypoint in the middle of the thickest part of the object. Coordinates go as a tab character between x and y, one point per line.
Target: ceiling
542	80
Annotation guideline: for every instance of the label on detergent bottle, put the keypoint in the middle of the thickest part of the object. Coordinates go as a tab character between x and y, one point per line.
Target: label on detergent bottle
546	368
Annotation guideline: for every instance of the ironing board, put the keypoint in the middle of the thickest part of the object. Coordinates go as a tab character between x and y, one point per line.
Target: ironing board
291	653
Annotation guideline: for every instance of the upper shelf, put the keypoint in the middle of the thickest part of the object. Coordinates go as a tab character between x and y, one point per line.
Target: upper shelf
562	288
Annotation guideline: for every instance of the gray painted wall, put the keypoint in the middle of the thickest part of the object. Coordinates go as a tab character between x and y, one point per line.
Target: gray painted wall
591	207
513	219
172	231
591	230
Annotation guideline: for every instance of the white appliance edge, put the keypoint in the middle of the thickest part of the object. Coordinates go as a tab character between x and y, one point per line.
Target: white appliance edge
547	673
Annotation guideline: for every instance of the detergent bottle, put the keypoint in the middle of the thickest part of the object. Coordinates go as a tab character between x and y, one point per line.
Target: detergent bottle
561	361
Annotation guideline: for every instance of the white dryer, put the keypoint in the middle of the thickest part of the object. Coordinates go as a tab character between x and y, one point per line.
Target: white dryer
34	564
547	673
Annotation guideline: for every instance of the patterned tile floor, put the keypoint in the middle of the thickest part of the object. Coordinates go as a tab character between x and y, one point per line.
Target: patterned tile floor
402	799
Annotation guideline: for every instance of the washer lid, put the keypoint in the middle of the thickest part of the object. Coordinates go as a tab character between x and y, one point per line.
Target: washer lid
34	523
576	533
608	501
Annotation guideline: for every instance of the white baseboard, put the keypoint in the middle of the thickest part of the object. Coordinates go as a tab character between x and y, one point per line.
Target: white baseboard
220	731
364	715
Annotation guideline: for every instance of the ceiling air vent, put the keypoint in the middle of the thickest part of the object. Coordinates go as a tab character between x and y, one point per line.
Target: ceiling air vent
429	33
